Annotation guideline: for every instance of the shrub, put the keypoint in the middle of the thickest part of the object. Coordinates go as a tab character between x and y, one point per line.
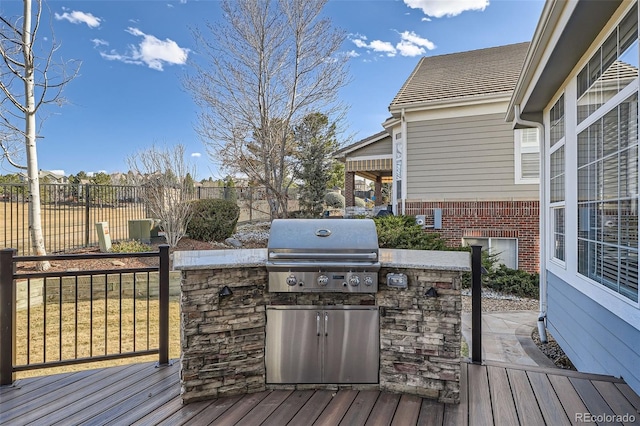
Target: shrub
213	219
132	246
505	280
360	202
402	232
335	200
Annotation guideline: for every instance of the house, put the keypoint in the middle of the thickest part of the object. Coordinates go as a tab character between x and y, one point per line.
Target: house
371	159
579	85
453	158
46	176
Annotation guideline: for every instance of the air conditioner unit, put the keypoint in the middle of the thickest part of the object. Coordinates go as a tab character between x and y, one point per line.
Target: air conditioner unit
421	220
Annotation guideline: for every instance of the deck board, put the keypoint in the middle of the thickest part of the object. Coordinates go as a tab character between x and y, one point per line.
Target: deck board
312	409
408	410
288	409
548	401
592	399
479	396
335	411
210	412
504	409
383	411
614	398
359	411
240	409
524	398
144	395
431	413
268	405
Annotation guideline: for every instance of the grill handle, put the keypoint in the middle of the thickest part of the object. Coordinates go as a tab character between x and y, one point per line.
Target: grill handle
323	256
288	266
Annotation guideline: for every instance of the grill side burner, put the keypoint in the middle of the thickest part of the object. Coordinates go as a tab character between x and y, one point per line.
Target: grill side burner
323	255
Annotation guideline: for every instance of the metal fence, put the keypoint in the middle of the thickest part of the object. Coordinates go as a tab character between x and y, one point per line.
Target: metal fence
70	318
70	212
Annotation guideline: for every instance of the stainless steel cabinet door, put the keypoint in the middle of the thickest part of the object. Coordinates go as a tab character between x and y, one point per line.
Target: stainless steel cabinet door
293	346
351	352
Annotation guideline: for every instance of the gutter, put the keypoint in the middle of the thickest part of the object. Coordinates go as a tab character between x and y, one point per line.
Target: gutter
542	316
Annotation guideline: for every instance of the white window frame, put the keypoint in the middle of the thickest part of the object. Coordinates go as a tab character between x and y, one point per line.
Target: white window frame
552	206
490	246
625	308
520	150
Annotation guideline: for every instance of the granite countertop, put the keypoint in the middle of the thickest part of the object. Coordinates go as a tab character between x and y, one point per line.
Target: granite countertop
426	259
219	259
389	258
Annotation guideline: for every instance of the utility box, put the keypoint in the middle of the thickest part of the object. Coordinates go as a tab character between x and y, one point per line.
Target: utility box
140	230
104	239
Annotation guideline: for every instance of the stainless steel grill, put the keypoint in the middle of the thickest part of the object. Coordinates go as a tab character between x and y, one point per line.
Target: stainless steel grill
334	255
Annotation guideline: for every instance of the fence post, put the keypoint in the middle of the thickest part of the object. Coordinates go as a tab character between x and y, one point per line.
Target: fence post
476	304
7	317
164	305
86	215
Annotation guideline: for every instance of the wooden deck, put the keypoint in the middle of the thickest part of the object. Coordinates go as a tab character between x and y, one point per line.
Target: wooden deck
142	394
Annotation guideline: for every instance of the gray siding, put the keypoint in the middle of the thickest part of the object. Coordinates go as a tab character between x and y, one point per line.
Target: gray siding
595	339
466	158
381	147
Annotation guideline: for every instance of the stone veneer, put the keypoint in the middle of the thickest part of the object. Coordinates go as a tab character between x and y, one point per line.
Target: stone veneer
223	338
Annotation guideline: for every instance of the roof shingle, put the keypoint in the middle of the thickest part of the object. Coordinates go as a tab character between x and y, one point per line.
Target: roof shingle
460	75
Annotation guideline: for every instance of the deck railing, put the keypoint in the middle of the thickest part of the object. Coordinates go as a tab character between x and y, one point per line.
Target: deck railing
80	316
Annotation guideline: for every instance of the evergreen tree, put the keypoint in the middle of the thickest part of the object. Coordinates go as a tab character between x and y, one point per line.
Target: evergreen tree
316	141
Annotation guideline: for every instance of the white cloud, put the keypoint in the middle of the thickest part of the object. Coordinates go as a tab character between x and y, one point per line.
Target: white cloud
440	8
415	39
151	51
98	42
352	54
410	44
77	17
196	154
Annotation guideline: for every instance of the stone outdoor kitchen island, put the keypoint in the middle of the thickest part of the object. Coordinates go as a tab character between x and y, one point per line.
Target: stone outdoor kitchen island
225	299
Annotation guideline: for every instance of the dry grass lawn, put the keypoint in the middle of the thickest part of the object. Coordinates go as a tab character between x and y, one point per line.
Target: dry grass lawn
119	330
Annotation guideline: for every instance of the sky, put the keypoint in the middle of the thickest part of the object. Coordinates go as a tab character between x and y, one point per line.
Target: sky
128	95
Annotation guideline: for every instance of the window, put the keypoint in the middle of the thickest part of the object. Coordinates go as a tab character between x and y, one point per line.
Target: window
608	199
557	180
610	69
527	156
506	249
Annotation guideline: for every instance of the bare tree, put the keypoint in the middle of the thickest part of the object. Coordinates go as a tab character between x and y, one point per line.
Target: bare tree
166	187
28	82
267	65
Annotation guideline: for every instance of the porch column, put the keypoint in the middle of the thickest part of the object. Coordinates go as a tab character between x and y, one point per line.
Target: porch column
349	188
378	191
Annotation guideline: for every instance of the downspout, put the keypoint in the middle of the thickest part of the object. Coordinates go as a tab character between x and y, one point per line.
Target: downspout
542	316
405	143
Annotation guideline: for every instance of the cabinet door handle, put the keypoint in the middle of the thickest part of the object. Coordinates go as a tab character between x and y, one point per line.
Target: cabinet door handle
326	323
318	323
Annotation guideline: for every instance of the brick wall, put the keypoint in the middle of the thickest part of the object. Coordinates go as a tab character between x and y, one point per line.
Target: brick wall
497	219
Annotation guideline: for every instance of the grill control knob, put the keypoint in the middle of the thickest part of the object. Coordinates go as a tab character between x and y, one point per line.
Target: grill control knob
354	280
291	280
368	280
323	280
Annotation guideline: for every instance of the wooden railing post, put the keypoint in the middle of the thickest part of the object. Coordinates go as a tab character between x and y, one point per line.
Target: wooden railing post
476	304
7	317
164	305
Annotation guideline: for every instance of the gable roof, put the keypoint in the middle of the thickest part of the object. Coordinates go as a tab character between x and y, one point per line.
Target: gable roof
494	70
341	153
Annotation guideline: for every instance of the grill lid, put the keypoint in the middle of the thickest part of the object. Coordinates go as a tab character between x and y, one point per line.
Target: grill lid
303	238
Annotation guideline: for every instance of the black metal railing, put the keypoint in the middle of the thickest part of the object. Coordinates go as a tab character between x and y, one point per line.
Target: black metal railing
82	316
69	212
